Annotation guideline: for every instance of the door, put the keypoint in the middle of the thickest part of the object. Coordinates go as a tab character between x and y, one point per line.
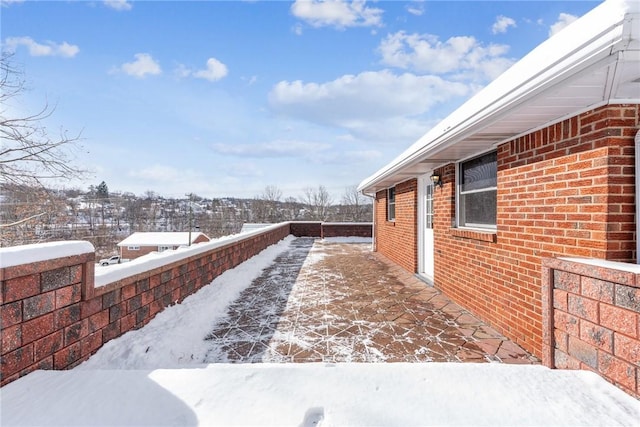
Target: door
426	217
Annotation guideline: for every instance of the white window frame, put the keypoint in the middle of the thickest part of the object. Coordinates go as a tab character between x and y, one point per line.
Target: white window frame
163	248
133	248
390	204
459	193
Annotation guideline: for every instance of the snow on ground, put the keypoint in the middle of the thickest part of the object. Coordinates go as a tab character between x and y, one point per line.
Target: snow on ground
352	239
380	394
152	376
175	337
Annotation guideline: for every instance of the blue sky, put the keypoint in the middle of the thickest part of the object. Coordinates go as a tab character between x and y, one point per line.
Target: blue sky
222	98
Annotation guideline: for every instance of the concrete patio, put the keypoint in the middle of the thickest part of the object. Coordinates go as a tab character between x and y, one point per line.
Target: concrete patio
336	301
306	300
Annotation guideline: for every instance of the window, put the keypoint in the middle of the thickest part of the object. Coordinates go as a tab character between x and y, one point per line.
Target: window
163	248
391	204
477	191
133	248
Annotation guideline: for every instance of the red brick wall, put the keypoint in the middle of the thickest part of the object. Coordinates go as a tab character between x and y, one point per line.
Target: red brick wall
131	254
398	240
52	316
592	320
563	190
310	229
568	189
345	229
331	229
41	305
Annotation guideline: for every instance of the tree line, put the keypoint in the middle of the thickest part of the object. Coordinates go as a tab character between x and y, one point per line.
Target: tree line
32	214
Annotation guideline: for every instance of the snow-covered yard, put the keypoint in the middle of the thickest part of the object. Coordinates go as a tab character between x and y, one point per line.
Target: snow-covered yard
387	394
156	376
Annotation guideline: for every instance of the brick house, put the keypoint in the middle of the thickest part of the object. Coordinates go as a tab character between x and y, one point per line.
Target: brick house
142	243
540	163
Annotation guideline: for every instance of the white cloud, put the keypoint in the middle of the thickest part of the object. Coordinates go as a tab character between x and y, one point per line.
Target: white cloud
143	65
348	157
502	24
379	107
362	155
416	8
279	148
391	131
426	53
337	13
215	70
49	48
564	19
7	3
368	96
182	71
250	80
119	5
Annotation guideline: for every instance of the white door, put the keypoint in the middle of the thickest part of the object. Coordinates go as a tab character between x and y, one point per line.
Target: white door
425	212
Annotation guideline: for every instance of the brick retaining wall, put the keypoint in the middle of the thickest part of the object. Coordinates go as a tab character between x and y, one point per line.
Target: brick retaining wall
591	312
310	229
332	229
54	317
347	229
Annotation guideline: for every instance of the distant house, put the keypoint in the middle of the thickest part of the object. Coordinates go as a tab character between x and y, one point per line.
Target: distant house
140	243
540	163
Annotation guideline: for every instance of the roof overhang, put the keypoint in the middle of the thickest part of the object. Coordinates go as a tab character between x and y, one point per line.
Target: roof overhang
593	62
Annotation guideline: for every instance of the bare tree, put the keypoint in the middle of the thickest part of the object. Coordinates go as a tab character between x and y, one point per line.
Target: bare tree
31	215
356	206
28	154
291	208
271	193
271	196
265	207
318	202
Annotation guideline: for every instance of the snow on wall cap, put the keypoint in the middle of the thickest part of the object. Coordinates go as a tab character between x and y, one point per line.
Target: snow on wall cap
347	223
27	254
613	265
160	238
113	273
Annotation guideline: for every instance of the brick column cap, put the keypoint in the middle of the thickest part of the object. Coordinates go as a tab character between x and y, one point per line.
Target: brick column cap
28	254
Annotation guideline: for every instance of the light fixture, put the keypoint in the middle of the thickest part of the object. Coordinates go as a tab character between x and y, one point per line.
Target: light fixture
436	180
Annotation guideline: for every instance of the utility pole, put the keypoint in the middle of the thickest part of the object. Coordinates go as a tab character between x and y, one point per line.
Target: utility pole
190	217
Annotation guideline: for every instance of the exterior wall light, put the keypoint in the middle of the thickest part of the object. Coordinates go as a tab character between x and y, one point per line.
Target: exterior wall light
436	180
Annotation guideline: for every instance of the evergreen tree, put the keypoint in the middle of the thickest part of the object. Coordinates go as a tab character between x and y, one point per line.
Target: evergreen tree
102	194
